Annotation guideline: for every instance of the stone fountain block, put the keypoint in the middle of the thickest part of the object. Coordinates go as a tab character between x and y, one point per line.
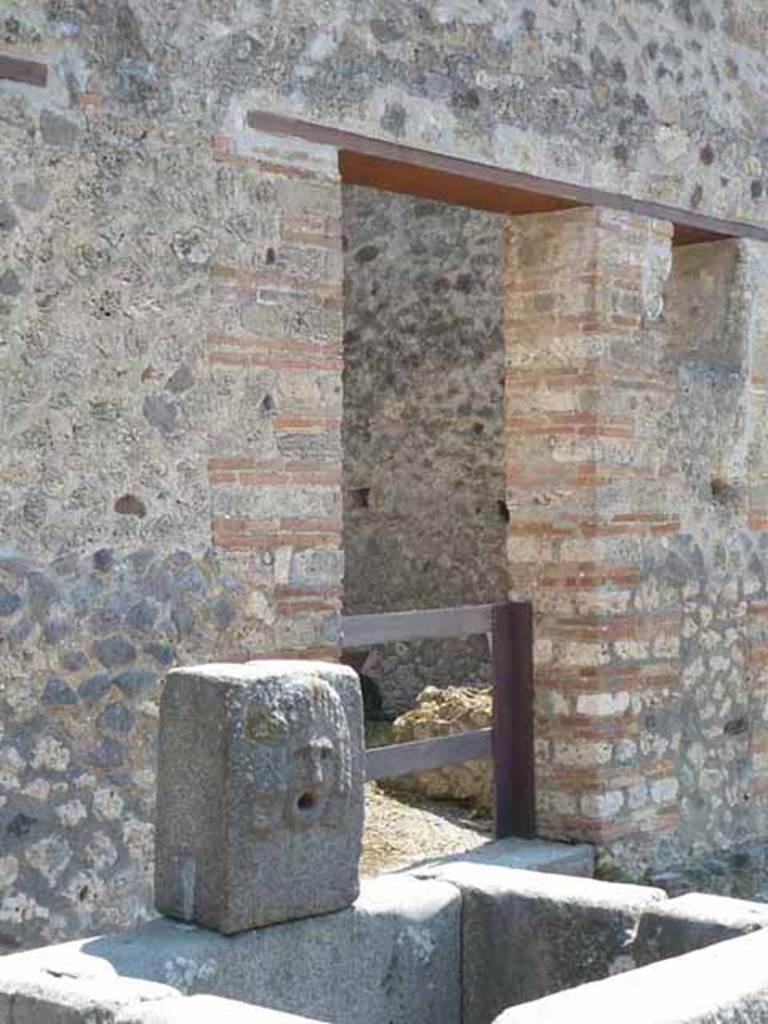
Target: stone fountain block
260	793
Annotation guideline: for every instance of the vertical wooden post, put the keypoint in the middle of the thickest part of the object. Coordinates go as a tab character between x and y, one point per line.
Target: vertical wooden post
512	735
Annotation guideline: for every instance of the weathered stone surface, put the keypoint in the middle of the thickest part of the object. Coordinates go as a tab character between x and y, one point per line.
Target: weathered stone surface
205	1010
523	854
526	934
85	995
393	956
693	921
720	985
260	793
440	713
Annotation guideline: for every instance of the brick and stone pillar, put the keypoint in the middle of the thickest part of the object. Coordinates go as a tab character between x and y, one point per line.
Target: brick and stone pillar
589	505
275	362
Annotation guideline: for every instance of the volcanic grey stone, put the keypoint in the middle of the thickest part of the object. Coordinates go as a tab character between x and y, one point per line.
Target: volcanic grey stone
221	610
190	581
103	559
693	921
14	564
19	631
181	380
163	654
9	601
141	616
94	687
84	592
108	754
260	793
526	934
114	650
724	984
394	956
41	594
160	412
56	628
116	718
58	692
10	283
7	217
86	994
183	620
525	854
73	661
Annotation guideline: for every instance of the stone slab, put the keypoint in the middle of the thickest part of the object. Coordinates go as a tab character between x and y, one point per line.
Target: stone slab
524	854
394	956
34	994
259	793
723	984
207	1010
526	934
694	921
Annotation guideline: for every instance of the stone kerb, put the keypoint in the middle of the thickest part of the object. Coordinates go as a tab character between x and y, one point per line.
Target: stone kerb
719	985
395	955
206	1010
526	934
260	793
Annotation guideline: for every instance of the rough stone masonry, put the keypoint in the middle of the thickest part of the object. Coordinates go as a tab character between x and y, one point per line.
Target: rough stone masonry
170	364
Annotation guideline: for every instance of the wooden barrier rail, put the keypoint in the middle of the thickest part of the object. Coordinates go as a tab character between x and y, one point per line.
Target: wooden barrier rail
509	742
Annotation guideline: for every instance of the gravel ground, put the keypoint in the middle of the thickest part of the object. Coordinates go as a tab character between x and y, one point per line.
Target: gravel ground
401	831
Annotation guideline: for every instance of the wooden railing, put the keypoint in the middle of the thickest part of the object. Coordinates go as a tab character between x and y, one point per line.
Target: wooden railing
509	741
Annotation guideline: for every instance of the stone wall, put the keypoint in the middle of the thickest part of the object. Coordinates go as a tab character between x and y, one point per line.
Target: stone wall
169	479
170	327
424	513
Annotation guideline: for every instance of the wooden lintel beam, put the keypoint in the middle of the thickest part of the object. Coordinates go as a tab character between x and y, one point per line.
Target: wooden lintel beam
551	193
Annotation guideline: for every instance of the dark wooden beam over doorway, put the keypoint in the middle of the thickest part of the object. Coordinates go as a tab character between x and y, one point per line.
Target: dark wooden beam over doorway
396	168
